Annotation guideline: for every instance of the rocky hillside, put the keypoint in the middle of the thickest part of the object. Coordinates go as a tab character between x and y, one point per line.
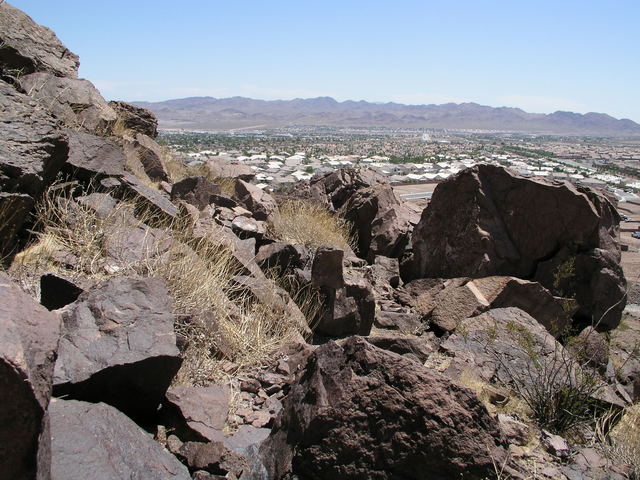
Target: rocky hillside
165	322
207	113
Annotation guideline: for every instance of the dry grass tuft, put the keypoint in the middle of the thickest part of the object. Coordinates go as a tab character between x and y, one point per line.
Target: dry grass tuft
622	443
225	330
301	222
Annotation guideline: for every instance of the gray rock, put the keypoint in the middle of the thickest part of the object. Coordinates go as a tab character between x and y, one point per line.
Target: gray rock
93	156
29	47
97	441
28	346
134	118
76	101
118	346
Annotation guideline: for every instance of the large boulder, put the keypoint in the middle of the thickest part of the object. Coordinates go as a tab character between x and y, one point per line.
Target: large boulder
28	344
357	411
32	151
119	347
97	441
198	413
380	221
196	191
150	155
503	224
28	47
136	119
76	101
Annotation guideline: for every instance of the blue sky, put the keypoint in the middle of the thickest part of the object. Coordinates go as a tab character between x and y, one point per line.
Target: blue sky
541	56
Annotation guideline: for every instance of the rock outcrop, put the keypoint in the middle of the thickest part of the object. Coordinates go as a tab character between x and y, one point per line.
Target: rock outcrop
99	442
502	224
118	346
358	411
28	347
29	47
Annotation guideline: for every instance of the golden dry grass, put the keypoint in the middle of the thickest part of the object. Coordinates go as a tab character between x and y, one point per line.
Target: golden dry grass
226	331
622	443
301	222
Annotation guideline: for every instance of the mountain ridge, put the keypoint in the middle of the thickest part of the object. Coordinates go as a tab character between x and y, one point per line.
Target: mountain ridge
210	113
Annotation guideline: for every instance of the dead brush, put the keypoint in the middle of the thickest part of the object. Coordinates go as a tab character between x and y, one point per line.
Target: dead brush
177	170
301	222
618	434
216	321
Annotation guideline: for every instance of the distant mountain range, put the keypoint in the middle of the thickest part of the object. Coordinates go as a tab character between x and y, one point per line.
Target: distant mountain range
207	113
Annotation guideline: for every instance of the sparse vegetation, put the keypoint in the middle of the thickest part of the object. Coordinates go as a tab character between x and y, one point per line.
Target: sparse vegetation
224	329
309	224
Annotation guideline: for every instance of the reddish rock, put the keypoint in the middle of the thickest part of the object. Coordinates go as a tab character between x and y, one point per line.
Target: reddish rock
503	224
195	190
97	441
150	155
326	270
134	118
202	411
357	411
28	345
256	200
118	346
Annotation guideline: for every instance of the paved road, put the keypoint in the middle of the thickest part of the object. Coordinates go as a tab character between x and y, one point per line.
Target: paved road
415	196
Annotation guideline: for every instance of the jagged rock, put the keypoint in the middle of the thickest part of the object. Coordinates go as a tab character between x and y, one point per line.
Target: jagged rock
257	201
118	346
246	227
380	221
504	224
282	256
198	413
29	47
91	156
195	190
335	188
516	432
76	101
326	270
56	291
32	151
138	119
97	441
213	457
222	167
350	310
125	246
624	362
28	346
500	345
415	348
145	150
590	348
357	411
102	204
153	199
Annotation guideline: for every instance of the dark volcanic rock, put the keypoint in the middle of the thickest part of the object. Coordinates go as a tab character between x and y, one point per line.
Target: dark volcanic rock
118	346
157	202
145	150
76	101
138	119
337	187
358	411
195	190
90	155
97	441
28	47
257	201
503	224
32	151
380	221
326	270
28	345
282	256
201	410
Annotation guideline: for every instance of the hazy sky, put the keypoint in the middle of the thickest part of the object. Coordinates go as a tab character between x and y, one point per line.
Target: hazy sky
541	56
